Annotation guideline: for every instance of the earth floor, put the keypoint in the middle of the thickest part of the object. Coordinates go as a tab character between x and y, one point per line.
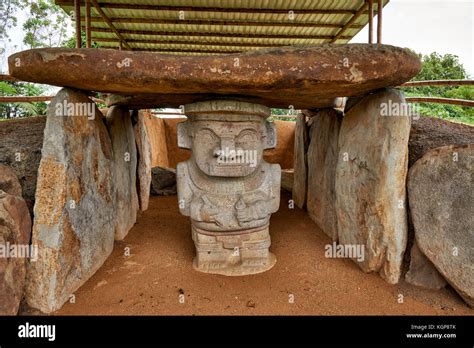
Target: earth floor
149	279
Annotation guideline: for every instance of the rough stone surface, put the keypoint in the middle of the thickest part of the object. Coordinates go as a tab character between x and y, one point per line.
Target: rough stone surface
429	133
441	196
20	149
163	181
144	159
300	179
15	231
370	183
305	77
157	135
8	181
287	179
281	154
422	273
75	202
119	125
226	188
323	156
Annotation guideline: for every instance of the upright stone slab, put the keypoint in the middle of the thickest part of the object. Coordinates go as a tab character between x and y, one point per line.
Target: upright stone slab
144	159
15	233
441	196
322	162
370	181
422	272
119	124
300	177
75	201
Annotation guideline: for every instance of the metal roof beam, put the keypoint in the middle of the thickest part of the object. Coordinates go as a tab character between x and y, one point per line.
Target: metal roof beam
109	23
217	34
192	43
212	9
224	22
359	12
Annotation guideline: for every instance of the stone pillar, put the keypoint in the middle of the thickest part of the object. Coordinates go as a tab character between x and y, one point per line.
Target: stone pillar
226	187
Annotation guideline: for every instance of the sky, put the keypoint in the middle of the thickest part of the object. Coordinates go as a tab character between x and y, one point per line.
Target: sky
443	26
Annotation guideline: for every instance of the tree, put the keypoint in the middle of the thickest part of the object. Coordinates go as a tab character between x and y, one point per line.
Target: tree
8	19
447	67
14	110
46	26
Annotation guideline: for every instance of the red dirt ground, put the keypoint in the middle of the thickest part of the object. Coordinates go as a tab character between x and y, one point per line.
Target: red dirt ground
159	269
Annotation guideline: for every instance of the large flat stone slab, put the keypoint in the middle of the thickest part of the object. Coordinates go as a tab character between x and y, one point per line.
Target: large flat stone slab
370	183
441	196
124	168
323	155
304	77
75	201
144	159
300	177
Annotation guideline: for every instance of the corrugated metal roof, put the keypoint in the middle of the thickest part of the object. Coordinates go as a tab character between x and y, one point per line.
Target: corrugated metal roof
222	26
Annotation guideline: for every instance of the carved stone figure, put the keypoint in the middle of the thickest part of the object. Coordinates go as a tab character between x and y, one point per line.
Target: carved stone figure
226	187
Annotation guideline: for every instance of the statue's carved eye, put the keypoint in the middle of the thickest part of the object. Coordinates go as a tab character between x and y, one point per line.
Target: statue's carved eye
207	135
247	136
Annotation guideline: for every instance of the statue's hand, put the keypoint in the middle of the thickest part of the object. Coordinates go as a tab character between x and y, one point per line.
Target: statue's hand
244	214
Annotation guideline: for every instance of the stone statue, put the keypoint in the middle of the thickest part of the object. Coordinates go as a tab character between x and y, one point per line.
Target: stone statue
226	187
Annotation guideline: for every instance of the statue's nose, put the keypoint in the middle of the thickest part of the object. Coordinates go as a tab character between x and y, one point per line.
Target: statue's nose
227	148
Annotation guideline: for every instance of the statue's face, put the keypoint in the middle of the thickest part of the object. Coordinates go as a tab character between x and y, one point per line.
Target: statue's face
228	149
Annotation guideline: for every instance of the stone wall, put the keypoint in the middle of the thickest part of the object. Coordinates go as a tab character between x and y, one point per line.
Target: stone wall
20	148
372	209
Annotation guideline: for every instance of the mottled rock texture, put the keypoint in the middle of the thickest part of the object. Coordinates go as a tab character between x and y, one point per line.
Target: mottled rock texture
323	154
305	77
20	148
9	181
124	169
144	159
75	201
370	182
15	233
441	195
422	273
300	178
287	179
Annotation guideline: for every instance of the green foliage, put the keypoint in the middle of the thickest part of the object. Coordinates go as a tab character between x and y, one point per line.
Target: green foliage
71	42
283	112
46	26
447	67
8	18
14	110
